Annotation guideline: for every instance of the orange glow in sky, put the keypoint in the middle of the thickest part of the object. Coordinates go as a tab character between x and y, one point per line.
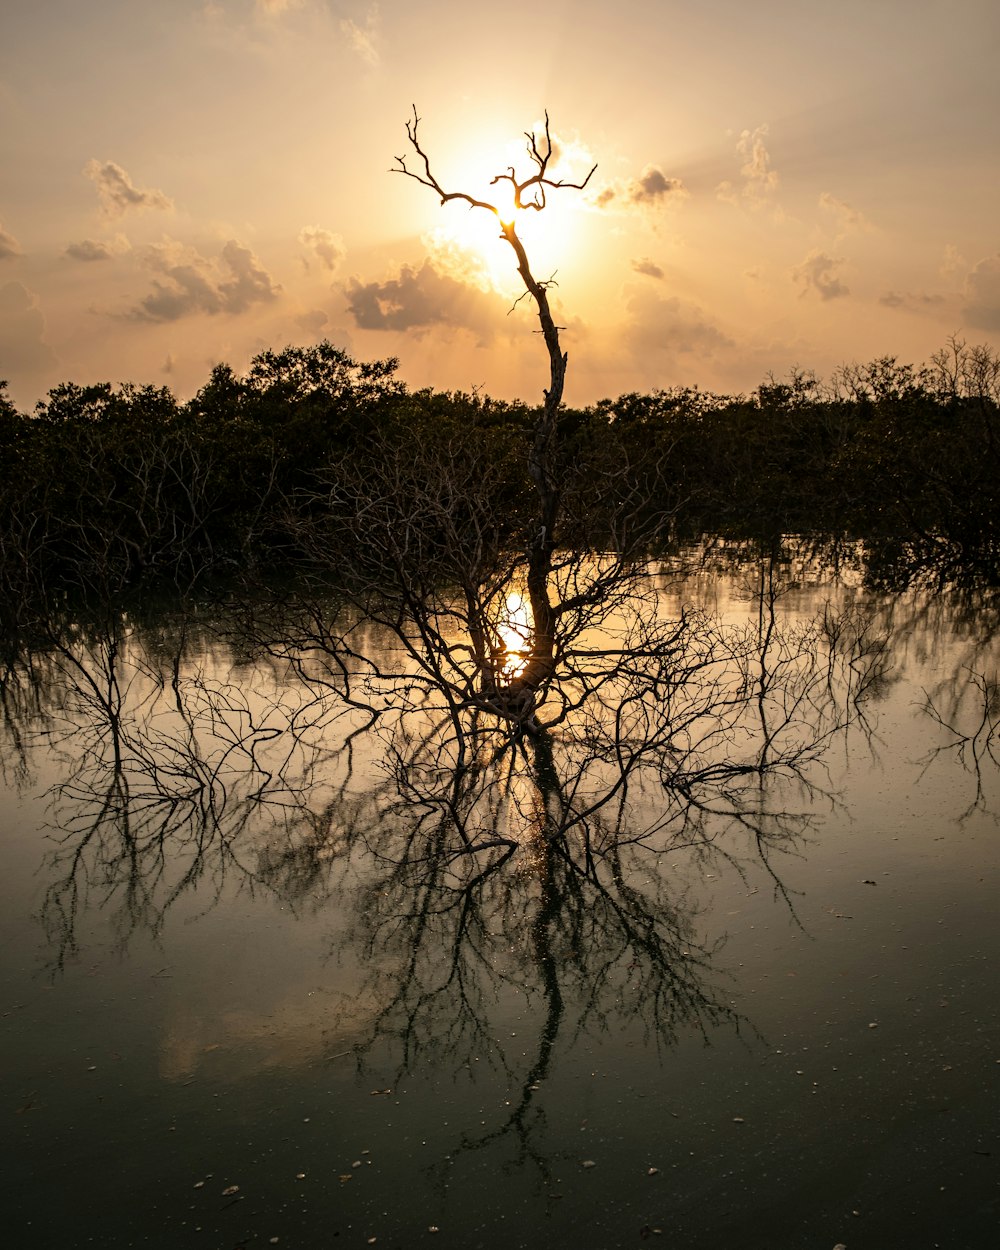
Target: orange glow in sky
778	185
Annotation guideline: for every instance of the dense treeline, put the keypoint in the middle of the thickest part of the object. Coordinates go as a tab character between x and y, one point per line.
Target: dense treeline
103	489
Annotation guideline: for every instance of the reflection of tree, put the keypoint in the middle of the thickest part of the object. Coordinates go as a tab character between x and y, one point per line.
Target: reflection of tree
175	777
482	855
968	710
183	773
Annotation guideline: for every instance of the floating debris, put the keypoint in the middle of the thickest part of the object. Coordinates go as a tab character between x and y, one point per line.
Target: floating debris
588	1163
230	1190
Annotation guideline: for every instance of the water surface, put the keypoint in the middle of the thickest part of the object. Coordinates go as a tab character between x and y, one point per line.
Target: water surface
249	997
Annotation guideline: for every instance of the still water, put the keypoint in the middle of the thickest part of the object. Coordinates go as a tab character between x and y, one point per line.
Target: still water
257	989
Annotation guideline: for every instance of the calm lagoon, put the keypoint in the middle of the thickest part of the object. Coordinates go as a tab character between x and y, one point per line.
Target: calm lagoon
250	998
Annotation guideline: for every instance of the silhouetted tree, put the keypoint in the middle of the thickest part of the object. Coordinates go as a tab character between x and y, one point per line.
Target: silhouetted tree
529	194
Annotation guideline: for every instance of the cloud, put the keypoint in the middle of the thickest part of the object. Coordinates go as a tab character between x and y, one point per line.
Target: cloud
982	293
911	301
312	321
193	284
671	327
818	273
23	349
118	193
760	181
88	250
848	218
452	260
98	249
651	189
363	39
274	8
953	263
328	248
9	246
570	160
420	299
647	267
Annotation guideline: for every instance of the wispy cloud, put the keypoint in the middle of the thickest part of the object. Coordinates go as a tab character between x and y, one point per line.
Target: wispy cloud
9	246
312	321
119	194
364	39
648	268
190	283
911	301
23	349
651	190
671	327
274	8
98	249
982	295
818	272
420	299
759	181
846	215
326	247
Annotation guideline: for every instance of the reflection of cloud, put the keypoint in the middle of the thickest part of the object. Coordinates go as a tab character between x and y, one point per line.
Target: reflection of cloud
9	246
22	332
647	267
651	189
327	247
671	326
194	284
982	293
760	181
117	191
419	299
818	273
363	39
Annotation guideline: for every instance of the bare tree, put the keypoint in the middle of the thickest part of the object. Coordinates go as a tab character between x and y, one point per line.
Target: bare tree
529	194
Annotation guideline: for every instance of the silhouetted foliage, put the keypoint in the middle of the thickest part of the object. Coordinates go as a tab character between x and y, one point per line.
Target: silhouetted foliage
107	489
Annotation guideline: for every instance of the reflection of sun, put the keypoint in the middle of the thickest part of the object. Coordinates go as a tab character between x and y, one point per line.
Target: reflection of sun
515	634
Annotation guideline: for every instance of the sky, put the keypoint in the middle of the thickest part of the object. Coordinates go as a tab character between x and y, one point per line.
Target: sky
780	185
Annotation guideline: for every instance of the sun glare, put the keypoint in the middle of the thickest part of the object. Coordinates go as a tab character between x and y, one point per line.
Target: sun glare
549	238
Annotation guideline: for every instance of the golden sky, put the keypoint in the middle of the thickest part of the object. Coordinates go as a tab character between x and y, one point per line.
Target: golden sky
780	183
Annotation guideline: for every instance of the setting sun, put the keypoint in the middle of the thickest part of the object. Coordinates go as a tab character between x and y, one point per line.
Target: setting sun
550	237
